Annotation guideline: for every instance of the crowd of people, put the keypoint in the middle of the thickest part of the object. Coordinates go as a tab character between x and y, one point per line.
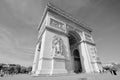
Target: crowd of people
112	70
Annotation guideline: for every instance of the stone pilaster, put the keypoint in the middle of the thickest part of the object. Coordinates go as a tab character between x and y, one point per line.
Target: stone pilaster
86	58
36	59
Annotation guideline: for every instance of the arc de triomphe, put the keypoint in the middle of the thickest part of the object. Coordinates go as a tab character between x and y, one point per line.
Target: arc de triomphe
64	45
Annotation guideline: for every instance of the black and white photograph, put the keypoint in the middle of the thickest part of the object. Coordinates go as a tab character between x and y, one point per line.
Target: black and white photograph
59	39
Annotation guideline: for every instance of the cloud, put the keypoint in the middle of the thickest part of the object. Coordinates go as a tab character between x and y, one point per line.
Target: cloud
10	51
6	39
27	11
17	39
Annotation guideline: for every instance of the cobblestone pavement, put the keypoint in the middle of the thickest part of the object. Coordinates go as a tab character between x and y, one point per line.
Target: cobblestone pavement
83	76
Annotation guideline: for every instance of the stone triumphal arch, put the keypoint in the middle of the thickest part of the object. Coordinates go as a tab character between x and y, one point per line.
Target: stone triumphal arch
64	45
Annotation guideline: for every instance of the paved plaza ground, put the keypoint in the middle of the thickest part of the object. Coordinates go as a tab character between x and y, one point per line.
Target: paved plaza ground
83	76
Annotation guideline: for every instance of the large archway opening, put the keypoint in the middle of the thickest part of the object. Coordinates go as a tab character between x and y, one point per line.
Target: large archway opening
74	40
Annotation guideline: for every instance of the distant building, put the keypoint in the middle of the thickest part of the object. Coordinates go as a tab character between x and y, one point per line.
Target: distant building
64	45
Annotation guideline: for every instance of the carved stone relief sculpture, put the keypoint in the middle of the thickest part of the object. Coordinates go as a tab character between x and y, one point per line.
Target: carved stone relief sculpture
57	46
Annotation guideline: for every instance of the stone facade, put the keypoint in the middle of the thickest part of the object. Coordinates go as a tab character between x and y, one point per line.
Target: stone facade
64	45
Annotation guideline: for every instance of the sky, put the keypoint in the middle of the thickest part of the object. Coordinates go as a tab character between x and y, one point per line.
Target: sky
19	20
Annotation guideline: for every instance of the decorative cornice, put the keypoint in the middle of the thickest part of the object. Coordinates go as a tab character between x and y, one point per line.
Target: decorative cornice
42	19
89	43
51	7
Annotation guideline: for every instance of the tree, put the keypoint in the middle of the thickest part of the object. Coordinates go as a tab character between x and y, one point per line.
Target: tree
29	69
23	69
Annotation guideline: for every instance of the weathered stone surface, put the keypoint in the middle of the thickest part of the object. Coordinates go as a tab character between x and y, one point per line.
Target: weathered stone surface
64	46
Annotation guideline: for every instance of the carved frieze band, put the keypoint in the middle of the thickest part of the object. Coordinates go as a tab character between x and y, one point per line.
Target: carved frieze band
57	25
